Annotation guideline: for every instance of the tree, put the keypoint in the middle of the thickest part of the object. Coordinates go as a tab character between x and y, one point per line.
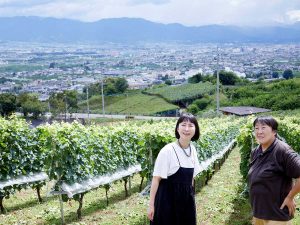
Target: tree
8	104
288	74
275	74
71	100
94	89
192	108
168	82
121	85
37	108
202	103
65	101
110	86
29	103
164	78
57	105
195	79
52	65
210	78
228	78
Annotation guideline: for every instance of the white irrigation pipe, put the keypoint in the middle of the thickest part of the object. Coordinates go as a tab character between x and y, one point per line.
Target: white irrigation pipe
207	163
34	177
95	182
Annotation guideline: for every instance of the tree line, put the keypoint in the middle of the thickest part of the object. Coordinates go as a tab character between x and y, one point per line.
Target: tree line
59	102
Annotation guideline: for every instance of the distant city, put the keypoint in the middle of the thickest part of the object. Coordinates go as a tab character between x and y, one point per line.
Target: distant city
46	68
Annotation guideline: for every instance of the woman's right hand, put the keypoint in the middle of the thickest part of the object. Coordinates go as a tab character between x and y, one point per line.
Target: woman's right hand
150	212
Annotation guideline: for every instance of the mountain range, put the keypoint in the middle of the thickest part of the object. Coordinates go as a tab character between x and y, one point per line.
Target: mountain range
131	30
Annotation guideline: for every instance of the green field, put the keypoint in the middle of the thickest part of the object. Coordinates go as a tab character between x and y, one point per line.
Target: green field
137	104
183	92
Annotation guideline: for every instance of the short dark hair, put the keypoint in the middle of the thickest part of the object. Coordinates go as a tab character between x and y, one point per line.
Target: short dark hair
267	120
191	118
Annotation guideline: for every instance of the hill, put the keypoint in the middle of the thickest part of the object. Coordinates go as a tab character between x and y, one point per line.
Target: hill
136	103
278	95
39	29
183	93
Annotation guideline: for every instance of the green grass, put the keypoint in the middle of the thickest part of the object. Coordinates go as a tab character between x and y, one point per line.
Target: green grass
105	121
220	201
183	92
217	203
137	104
23	208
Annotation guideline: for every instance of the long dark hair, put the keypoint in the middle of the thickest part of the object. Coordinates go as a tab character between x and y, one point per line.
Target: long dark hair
191	118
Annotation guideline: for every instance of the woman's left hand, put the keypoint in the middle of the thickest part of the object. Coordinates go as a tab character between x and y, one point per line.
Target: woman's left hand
290	203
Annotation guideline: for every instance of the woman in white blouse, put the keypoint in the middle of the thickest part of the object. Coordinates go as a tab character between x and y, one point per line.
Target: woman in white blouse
172	193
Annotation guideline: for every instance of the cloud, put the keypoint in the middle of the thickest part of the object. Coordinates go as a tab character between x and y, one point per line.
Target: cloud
154	2
19	4
187	12
294	15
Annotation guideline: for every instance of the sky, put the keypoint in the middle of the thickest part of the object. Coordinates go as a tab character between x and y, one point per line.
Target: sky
186	12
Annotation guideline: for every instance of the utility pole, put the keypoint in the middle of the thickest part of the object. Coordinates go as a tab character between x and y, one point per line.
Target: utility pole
87	102
127	105
49	106
103	112
65	97
218	83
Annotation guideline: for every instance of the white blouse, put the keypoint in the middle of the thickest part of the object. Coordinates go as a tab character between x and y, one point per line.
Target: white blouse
167	164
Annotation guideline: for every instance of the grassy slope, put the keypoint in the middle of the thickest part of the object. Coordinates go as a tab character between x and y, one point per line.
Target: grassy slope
183	91
217	203
132	104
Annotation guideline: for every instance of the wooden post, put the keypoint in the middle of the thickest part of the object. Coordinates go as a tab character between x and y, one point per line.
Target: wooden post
129	184
38	190
151	164
125	186
207	176
106	194
80	206
3	211
141	184
61	209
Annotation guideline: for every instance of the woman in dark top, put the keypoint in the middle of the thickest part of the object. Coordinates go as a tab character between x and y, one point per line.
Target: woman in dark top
272	169
172	199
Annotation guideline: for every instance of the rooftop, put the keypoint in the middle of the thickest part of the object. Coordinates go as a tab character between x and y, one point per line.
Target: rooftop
243	110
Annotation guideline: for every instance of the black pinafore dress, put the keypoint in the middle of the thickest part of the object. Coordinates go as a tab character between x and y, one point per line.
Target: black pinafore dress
175	201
